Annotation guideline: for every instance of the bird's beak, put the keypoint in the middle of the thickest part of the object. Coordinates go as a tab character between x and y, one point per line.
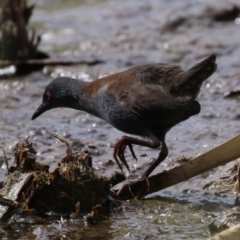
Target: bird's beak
41	109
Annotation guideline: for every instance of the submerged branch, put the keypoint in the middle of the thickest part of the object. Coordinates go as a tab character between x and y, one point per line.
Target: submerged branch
49	62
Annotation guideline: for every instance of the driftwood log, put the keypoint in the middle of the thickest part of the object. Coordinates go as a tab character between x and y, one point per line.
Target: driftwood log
232	233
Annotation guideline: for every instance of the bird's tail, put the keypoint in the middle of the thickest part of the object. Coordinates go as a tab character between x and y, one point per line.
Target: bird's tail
191	81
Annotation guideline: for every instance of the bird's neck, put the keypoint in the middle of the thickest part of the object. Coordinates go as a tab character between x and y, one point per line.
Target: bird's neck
80	101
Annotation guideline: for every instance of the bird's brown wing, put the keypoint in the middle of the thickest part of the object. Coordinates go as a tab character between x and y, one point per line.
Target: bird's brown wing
150	99
161	74
145	90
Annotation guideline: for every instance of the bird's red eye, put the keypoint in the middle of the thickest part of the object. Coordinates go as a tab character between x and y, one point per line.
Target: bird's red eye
47	96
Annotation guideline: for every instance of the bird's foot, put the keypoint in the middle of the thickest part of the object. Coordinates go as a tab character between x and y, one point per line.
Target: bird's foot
119	150
125	191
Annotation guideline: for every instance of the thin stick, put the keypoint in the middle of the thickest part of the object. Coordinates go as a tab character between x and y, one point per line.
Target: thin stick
68	151
6	160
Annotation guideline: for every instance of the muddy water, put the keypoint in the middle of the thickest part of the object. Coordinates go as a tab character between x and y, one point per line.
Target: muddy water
124	34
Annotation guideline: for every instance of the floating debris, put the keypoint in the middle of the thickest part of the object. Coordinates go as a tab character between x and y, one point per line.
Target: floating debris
30	189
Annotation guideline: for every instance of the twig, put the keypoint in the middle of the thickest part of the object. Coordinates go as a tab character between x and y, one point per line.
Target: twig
6	160
69	153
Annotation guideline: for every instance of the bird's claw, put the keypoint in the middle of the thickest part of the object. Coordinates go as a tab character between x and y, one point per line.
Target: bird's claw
125	192
132	152
118	154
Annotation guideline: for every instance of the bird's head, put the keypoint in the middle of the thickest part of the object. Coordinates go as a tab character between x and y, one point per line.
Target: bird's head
61	92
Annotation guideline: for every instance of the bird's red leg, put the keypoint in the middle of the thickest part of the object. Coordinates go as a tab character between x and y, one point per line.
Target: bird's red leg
120	147
162	155
125	191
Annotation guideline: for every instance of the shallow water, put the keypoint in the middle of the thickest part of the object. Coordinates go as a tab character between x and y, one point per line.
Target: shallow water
124	34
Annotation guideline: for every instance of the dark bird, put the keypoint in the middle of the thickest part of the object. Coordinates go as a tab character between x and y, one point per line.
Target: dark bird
146	100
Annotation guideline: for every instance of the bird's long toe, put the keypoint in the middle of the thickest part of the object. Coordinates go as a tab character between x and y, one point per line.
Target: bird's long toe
132	151
115	156
118	154
123	160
